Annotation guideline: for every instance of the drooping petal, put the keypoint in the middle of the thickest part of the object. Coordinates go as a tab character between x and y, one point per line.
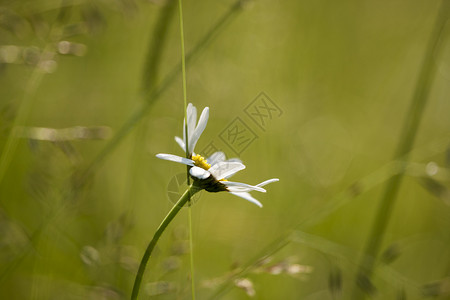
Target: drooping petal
225	169
199	173
242	187
267	182
181	143
247	197
216	157
176	158
195	135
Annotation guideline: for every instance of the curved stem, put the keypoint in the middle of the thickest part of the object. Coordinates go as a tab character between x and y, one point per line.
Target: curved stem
172	213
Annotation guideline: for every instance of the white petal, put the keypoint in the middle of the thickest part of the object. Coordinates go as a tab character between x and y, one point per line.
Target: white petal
268	181
216	157
234	159
181	143
242	187
247	197
199	129
199	173
176	158
191	112
224	169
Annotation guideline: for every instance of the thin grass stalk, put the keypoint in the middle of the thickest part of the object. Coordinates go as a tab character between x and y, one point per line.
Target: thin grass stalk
404	147
152	94
191	249
183	72
161	228
155	93
150	74
149	80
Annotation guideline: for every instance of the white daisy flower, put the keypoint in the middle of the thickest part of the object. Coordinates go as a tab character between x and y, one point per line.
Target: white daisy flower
194	131
212	174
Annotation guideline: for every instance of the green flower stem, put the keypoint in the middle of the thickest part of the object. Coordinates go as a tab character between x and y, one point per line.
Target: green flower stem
172	213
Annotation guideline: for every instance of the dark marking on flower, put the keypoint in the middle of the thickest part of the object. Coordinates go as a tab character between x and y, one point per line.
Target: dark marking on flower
210	184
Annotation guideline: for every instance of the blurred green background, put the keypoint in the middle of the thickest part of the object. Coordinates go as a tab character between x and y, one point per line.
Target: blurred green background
78	207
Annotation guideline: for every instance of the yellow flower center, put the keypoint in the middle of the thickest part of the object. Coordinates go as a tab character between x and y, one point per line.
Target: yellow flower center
200	161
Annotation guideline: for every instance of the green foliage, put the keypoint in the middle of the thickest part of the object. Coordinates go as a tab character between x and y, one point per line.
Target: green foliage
90	91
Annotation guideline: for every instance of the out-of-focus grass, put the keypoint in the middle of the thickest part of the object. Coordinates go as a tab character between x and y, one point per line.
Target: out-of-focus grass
343	74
